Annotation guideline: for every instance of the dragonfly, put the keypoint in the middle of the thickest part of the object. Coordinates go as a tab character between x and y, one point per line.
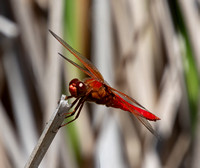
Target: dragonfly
95	89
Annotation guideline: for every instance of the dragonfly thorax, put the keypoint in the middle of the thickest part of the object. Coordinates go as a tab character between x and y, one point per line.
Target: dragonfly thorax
77	88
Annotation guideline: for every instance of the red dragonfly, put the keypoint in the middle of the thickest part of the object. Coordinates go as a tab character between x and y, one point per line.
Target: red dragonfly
95	89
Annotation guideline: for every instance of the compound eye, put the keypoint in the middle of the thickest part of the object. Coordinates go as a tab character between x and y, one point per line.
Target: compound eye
73	81
81	87
73	87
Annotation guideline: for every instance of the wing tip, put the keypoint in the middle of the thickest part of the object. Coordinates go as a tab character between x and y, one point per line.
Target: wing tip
54	34
51	32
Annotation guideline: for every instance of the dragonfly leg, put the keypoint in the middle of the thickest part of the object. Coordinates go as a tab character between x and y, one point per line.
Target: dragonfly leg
68	97
74	102
77	115
75	109
78	107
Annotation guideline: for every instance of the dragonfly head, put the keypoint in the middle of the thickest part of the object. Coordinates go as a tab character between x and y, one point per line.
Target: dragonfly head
77	88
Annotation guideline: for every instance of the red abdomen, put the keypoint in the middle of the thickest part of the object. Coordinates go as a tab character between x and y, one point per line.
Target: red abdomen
118	102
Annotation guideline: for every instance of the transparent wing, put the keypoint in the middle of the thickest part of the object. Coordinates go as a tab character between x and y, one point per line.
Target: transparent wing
78	66
88	65
148	126
134	102
135	108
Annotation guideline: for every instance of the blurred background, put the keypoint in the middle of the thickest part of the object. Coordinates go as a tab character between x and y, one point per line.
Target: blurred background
147	49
